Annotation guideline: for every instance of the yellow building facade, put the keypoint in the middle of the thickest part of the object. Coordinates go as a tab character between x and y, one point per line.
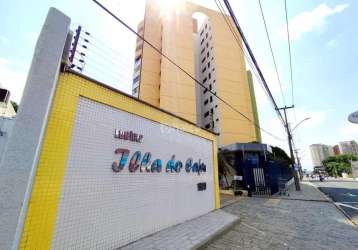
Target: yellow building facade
207	50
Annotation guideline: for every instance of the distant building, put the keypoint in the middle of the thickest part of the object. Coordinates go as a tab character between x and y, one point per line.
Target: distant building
7	115
320	152
336	150
348	147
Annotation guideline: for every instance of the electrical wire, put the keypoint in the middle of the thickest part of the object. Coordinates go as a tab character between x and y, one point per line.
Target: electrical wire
249	60
290	54
247	46
180	68
96	42
272	54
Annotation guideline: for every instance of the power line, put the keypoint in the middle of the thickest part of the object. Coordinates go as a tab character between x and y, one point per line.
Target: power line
232	30
272	54
289	52
180	68
263	80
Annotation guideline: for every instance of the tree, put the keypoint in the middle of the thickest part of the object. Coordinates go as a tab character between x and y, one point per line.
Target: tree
280	155
336	165
14	105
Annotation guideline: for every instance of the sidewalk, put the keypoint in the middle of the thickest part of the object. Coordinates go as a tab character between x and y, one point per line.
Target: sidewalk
308	192
302	220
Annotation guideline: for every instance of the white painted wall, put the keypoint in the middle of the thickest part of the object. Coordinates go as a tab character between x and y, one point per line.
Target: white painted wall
101	209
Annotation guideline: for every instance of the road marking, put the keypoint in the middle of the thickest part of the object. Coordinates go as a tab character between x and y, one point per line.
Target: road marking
346	205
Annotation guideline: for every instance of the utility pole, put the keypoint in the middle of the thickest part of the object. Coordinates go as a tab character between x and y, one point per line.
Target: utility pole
289	136
299	164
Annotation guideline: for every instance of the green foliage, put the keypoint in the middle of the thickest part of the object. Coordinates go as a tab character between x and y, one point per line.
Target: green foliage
15	105
280	155
336	165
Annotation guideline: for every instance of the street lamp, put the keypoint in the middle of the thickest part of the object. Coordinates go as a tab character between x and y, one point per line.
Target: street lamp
307	118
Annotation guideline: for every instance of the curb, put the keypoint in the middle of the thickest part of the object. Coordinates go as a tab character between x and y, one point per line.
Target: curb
349	218
212	238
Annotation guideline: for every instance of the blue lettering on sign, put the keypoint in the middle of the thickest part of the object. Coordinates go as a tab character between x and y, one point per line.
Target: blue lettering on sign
156	166
143	163
133	164
188	164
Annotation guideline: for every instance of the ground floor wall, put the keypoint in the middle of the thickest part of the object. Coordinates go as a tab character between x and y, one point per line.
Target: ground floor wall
113	169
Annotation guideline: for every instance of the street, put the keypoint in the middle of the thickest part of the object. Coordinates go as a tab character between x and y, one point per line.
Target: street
303	220
343	193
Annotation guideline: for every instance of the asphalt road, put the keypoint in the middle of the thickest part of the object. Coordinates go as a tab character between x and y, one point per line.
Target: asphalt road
343	193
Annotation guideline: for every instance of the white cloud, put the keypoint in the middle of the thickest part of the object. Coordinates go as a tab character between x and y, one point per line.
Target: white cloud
12	79
310	20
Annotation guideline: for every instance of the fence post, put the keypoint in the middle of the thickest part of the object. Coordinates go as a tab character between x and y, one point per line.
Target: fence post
19	161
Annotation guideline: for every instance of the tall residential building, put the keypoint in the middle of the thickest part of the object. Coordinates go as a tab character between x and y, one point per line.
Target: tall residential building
206	49
348	147
320	152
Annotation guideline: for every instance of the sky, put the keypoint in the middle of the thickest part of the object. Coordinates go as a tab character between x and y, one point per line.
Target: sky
324	40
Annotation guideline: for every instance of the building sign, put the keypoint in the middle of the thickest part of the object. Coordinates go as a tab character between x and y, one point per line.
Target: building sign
353	117
128	135
144	164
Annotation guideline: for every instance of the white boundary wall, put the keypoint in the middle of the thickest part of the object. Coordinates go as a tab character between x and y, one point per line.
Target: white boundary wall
100	208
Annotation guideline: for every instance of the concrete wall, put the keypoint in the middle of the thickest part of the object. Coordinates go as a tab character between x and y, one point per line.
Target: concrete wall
6	126
19	161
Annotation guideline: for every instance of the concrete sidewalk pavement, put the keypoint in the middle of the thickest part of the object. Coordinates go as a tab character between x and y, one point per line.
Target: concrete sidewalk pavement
303	220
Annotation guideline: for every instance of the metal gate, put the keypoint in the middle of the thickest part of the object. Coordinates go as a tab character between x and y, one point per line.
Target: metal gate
262	186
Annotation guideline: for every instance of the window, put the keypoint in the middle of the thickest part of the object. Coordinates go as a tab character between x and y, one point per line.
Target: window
210	87
212	58
202	40
211	47
202	51
209	75
217	119
206	35
213	69
208	65
208	54
206	26
206	101
202	32
203	70
137	59
216	106
207	126
211	98
136	79
205	90
206	114
214	82
207	45
211	111
137	68
135	90
205	79
202	60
